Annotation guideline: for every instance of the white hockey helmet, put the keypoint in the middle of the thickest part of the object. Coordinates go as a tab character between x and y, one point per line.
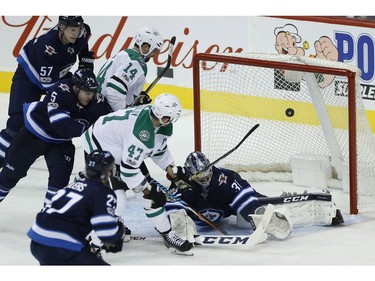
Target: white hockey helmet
166	105
150	36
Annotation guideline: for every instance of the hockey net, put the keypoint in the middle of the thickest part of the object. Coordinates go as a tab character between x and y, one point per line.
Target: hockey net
303	105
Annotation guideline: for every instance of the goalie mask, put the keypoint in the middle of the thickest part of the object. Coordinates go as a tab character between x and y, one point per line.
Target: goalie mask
166	105
196	162
150	36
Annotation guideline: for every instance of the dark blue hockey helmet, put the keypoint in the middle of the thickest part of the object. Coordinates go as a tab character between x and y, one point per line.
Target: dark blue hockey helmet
74	21
85	80
196	162
99	164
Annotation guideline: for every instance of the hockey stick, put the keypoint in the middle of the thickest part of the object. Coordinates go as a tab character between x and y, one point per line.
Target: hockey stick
257	237
161	74
226	154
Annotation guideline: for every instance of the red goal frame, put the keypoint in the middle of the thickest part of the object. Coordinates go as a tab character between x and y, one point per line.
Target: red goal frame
288	66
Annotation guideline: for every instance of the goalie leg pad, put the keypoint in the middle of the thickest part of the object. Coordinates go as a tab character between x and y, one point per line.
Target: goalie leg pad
275	222
183	225
313	212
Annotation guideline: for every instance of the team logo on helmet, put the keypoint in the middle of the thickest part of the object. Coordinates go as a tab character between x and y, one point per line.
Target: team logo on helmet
144	135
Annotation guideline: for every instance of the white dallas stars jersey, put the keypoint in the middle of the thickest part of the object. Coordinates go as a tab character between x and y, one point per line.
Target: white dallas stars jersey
131	138
122	78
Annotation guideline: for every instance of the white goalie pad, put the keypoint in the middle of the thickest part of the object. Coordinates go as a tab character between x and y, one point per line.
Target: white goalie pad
314	212
275	222
183	225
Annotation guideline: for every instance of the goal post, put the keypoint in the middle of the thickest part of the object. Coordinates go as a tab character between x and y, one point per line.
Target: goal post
304	105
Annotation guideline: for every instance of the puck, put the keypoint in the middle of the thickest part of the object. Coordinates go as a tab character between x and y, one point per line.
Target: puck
289	112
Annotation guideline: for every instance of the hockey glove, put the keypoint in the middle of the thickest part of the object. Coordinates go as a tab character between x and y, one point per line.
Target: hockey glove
142	98
116	246
86	60
117	182
113	247
157	196
181	180
93	248
84	122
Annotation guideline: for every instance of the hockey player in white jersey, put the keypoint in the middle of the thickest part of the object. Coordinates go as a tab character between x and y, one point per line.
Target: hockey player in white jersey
132	135
122	77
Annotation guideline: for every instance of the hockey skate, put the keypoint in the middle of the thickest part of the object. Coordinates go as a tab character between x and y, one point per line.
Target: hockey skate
338	219
80	176
176	245
127	234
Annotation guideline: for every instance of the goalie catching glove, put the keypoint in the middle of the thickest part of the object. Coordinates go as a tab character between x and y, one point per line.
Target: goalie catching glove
181	180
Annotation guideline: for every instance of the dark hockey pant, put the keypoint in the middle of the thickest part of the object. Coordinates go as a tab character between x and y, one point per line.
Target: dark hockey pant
22	91
23	152
58	256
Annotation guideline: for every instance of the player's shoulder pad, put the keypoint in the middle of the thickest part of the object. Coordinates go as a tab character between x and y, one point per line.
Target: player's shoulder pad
87	28
143	128
165	130
134	55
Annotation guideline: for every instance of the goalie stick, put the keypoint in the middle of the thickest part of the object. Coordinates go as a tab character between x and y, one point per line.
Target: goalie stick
257	237
292	198
226	154
217	240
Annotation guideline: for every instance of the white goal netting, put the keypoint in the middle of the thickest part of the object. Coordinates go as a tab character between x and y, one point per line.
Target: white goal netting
300	111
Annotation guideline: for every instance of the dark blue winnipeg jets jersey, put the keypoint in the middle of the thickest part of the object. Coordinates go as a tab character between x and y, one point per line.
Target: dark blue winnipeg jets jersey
46	59
59	117
75	211
227	195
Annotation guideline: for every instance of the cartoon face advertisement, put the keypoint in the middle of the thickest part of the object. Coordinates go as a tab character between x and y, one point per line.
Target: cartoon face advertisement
349	44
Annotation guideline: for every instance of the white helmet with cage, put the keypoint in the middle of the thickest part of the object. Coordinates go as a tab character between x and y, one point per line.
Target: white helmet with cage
150	36
166	105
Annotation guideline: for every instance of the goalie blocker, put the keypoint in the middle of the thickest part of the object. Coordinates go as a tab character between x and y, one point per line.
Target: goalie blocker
316	208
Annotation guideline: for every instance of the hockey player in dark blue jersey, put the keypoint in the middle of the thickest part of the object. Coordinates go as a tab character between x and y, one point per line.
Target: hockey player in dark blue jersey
50	125
58	235
218	193
41	63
